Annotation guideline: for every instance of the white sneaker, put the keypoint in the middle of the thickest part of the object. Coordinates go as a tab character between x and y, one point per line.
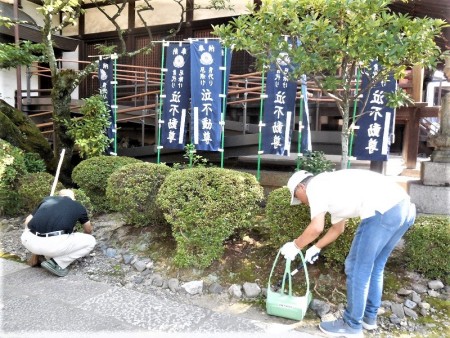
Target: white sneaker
369	323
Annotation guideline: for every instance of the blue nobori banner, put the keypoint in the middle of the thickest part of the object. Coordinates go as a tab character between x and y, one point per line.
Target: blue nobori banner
376	122
206	98
279	110
106	90
177	95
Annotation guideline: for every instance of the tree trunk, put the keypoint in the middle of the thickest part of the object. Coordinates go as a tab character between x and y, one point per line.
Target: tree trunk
345	111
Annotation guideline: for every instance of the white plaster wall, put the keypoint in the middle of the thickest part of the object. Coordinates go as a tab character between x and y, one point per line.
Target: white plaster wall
165	12
8	84
239	7
96	22
30	9
70	63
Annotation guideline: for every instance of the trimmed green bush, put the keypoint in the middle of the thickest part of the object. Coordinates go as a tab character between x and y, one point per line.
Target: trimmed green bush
92	175
84	199
34	187
427	247
34	163
205	206
12	167
132	190
315	162
285	222
336	252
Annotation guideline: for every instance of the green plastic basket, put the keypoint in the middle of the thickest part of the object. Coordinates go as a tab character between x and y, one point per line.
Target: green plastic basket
283	304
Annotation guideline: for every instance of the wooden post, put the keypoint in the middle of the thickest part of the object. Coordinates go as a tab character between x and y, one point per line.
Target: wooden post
417	83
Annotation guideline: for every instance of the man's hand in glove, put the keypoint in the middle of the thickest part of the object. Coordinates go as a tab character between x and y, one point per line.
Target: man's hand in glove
290	250
312	254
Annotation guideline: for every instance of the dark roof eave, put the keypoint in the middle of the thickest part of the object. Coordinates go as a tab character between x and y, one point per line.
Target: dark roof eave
34	34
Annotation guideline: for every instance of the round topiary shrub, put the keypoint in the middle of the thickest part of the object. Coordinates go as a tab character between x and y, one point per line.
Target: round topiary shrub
92	175
205	206
34	187
285	222
132	191
84	199
427	247
12	167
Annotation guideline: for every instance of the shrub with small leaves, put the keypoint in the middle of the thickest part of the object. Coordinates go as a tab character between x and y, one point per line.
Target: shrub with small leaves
84	199
427	247
315	162
34	187
92	175
12	167
205	206
34	163
132	190
285	222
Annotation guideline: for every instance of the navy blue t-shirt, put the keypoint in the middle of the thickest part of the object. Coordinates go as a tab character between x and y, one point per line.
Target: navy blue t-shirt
56	213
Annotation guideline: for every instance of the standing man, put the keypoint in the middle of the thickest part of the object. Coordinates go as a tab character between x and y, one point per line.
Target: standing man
386	213
49	232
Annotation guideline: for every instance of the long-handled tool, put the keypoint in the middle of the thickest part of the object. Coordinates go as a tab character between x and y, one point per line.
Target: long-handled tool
293	273
55	181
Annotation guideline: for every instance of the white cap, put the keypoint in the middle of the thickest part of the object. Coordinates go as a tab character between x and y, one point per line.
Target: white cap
294	181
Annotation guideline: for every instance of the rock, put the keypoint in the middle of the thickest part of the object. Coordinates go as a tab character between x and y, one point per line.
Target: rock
215	288
394	319
111	252
411	313
193	287
404	292
419	288
433	293
435	285
251	290
415	297
386	303
410	304
138	280
173	284
320	307
397	310
157	280
235	291
139	266
423	312
424	305
329	317
127	258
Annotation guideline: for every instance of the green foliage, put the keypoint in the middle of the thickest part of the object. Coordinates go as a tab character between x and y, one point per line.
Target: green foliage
92	175
34	163
88	131
427	244
84	199
194	160
285	222
315	162
24	54
336	252
12	167
205	206
335	37
34	187
132	190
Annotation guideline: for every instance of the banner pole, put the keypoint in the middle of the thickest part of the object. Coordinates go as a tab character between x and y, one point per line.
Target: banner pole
161	79
224	105
355	106
114	56
300	127
261	109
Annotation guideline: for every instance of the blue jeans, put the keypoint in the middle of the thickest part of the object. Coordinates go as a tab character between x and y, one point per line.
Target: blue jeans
374	241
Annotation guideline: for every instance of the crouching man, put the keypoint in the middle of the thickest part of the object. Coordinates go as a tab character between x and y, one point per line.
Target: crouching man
49	231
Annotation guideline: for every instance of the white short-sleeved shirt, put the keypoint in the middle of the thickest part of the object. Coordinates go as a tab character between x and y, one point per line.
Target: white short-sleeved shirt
351	193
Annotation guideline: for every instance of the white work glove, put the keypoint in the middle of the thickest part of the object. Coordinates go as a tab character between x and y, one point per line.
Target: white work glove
290	251
312	254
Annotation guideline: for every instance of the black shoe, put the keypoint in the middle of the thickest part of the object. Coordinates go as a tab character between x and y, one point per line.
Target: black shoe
53	267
